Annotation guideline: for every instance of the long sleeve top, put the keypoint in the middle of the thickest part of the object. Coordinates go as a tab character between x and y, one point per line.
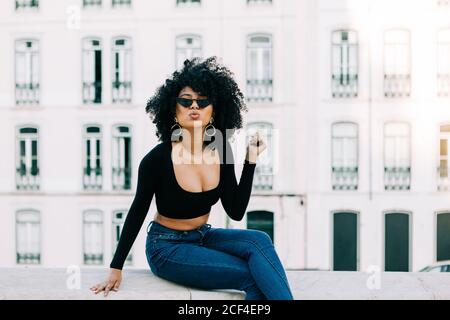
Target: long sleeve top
156	177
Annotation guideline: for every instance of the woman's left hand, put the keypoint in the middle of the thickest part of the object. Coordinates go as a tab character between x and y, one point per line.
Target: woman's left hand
255	147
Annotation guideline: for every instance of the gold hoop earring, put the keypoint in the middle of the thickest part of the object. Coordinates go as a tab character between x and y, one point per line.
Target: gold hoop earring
210	126
177	132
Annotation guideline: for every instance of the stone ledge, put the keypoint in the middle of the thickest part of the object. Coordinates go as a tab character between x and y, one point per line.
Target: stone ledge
30	282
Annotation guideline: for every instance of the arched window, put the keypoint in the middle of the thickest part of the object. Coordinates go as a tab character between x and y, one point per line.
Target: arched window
397	63
93	237
92	70
117	226
92	158
27	158
121	160
27	71
344	153
259	68
187	47
122	76
344	64
397	156
28	237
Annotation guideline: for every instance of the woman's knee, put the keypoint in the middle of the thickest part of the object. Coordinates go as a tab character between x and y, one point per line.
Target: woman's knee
259	237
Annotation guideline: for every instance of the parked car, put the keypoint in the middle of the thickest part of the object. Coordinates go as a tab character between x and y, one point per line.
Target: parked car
441	266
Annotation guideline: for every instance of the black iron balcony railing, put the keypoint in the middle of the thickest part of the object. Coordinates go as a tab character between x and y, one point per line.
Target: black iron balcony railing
344	85
92	3
259	90
92	178
92	92
344	178
263	179
443	85
28	258
27	93
443	181
121	92
118	3
397	178
93	259
27	4
27	178
397	85
121	178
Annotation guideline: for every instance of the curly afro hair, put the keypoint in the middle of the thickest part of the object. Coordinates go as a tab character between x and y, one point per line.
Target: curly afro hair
207	78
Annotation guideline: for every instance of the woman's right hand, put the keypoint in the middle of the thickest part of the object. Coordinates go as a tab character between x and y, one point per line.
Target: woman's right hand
112	283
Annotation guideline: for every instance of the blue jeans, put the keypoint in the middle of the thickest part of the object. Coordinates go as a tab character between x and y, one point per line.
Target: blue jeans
218	258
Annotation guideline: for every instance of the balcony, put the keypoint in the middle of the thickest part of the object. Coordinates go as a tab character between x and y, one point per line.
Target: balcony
92	178
443	85
344	85
443	180
121	92
27	93
21	4
28	258
27	178
263	178
397	85
344	178
121	178
397	178
259	90
92	92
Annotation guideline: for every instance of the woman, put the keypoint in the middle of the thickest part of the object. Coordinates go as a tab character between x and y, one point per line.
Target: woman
193	112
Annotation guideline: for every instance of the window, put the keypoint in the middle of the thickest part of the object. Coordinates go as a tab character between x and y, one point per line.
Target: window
28	237
443	63
397	156
92	71
397	241
27	72
443	236
121	83
344	153
259	68
92	3
345	241
397	65
442	170
344	55
121	3
187	3
93	237
263	178
261	220
121	161
117	225
443	2
187	47
92	158
22	4
27	166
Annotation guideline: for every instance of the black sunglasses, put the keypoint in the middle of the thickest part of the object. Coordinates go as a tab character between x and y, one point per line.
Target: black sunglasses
202	103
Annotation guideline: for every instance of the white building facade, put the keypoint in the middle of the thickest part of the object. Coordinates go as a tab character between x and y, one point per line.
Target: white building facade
356	170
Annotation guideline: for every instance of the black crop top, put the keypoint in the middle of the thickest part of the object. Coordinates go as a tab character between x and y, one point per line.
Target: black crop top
156	176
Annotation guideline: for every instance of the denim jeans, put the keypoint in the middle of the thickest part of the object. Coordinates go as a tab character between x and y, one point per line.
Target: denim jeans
218	258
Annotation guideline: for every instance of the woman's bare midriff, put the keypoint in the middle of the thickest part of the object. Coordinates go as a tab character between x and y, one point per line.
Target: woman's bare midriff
181	224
